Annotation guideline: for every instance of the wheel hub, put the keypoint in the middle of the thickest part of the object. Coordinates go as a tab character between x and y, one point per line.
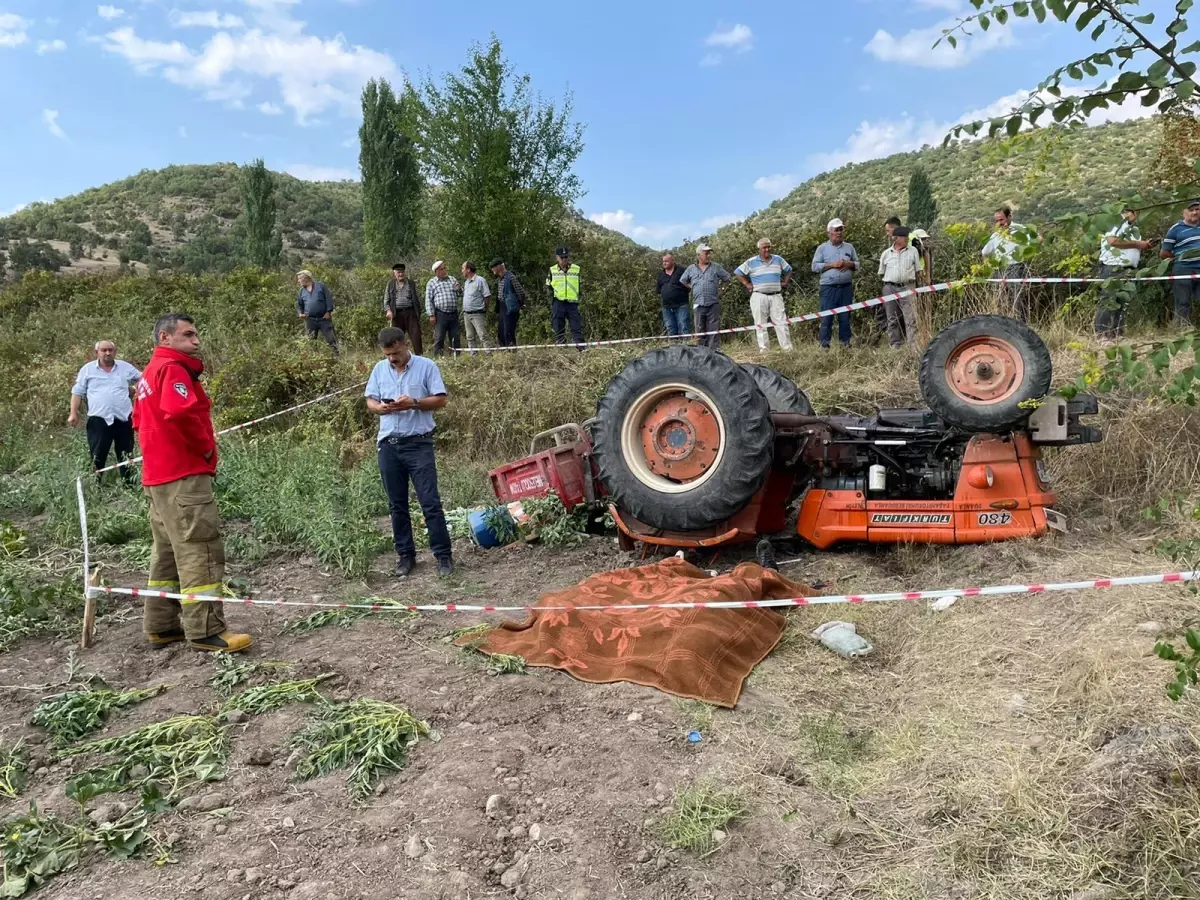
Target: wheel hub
985	370
680	437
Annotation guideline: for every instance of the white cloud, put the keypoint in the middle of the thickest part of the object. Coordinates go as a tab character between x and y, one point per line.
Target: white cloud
183	131
12	212
776	186
733	37
312	74
710	59
270	109
50	120
14	31
109	12
884	137
306	172
916	47
660	235
205	19
54	46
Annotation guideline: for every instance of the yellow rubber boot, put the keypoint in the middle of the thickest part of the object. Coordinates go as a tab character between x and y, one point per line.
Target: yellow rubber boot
225	642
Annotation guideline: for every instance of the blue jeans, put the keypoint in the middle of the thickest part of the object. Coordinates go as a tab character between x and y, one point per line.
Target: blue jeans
832	296
1186	293
677	320
508	327
560	313
402	459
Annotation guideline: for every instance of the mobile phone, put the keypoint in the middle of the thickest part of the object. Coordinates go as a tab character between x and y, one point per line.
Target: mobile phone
387	400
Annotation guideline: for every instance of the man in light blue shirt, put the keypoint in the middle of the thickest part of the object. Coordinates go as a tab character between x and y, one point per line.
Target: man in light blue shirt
107	384
403	391
835	261
766	276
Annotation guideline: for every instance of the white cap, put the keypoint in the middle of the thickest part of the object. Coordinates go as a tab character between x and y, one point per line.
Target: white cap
834	223
304	273
702	246
437	265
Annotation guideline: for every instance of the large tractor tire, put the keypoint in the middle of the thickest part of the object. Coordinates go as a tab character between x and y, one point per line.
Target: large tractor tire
683	439
781	392
977	373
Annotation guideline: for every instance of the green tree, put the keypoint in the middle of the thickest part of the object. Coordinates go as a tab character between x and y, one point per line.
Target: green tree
922	208
391	176
25	256
262	243
1149	57
502	159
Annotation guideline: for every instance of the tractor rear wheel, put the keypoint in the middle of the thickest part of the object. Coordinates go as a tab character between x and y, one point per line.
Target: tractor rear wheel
781	392
977	373
684	438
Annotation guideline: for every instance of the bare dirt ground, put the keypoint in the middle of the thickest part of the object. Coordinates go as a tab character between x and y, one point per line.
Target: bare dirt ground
1006	747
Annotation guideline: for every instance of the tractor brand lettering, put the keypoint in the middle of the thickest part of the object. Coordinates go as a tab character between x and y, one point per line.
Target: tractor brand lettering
994	518
530	483
910	518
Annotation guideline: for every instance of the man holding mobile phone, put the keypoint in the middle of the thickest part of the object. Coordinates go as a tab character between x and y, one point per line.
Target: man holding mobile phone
404	389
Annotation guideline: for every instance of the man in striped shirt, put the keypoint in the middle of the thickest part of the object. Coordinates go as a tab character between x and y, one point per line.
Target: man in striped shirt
441	305
1182	244
766	276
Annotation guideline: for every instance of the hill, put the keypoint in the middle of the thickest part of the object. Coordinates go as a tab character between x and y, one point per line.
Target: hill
1060	171
188	219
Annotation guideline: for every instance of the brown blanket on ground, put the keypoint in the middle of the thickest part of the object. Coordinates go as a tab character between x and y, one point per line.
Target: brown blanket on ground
702	654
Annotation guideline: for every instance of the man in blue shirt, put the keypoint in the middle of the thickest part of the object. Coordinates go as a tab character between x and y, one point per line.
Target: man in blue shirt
108	384
314	304
766	276
403	391
835	261
705	277
510	303
1182	244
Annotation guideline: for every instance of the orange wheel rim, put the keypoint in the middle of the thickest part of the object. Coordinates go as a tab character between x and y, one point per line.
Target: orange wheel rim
985	370
680	437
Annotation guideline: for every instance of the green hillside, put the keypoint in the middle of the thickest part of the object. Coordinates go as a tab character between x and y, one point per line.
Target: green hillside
187	219
1062	171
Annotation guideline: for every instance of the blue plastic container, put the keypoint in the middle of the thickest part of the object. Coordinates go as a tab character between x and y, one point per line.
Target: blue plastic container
481	532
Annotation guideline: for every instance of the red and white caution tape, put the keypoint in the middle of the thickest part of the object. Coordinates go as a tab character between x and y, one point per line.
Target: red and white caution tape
232	429
992	591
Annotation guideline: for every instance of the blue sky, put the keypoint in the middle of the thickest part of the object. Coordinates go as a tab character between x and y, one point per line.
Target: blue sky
696	113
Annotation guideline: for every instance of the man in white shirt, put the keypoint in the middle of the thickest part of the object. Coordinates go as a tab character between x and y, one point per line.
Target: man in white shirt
1003	252
899	266
1120	254
474	305
107	383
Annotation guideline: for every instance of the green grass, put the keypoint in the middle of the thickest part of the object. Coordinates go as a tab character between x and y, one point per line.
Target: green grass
696	811
695	715
71	715
263	698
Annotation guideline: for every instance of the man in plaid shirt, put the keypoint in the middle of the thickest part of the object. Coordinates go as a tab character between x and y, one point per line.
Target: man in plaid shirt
441	305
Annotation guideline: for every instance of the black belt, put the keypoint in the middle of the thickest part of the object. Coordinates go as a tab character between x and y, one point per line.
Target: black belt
395	439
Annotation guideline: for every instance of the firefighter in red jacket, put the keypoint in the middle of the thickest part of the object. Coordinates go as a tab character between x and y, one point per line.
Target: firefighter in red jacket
173	419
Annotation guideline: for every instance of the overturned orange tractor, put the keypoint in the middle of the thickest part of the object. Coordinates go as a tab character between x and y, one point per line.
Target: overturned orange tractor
691	449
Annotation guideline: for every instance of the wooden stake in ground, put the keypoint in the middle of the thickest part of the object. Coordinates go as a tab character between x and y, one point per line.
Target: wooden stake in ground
89	611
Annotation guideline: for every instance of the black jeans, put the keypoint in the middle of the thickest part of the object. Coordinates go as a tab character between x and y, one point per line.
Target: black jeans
562	312
102	437
402	459
444	324
508	327
324	327
1186	293
1110	313
708	318
833	296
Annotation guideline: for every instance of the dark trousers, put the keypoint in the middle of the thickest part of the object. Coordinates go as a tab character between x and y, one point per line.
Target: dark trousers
833	296
1110	312
445	324
410	321
324	327
677	320
1016	294
103	437
402	460
1186	292
708	318
508	327
560	313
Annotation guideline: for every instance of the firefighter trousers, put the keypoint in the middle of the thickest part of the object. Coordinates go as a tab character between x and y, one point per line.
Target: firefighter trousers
188	558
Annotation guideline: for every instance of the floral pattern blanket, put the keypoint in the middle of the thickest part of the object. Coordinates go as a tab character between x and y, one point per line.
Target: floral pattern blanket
701	654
